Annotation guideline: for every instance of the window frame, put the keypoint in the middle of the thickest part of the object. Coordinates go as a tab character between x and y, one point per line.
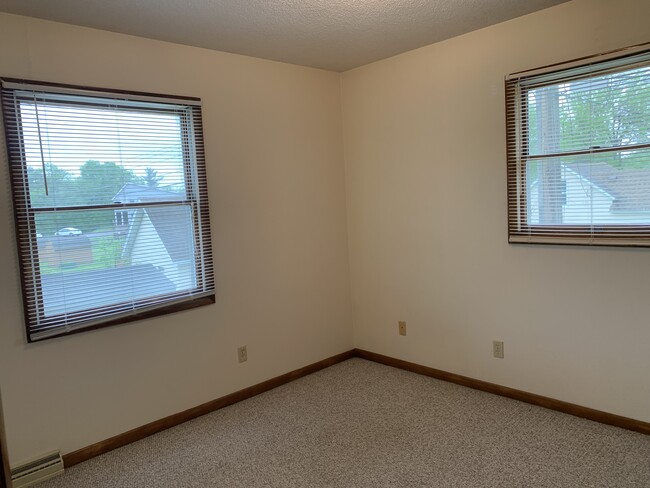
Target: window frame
520	231
196	197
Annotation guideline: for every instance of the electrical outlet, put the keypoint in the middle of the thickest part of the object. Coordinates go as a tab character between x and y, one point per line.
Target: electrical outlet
402	327
497	349
242	354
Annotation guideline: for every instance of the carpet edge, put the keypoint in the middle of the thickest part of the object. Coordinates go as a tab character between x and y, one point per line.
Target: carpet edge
120	440
524	396
133	435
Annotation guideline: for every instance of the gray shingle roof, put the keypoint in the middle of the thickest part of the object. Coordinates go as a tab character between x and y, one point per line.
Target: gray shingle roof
133	192
103	287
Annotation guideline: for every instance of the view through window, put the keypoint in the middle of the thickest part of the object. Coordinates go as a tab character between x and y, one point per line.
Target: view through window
579	154
111	205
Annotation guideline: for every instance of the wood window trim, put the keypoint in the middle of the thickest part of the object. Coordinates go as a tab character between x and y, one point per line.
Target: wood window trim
520	231
202	240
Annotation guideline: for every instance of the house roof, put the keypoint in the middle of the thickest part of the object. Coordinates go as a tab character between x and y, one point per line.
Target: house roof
139	193
102	287
630	187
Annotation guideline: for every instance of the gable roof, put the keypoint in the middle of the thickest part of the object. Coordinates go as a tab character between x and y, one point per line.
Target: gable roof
77	291
139	193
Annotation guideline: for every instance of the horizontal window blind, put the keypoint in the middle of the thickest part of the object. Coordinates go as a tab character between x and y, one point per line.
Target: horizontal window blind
111	205
578	144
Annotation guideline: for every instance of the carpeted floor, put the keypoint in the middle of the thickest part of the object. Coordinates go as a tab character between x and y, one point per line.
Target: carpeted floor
362	424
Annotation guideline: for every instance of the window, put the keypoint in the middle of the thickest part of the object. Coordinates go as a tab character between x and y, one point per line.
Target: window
578	143
121	218
110	203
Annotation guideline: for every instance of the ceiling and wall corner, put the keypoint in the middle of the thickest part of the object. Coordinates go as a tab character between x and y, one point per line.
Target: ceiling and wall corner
273	148
330	34
426	194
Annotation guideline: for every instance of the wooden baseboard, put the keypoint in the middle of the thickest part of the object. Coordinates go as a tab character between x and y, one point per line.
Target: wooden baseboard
138	433
542	401
159	425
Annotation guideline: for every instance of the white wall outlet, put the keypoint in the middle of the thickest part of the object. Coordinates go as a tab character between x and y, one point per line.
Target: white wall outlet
242	354
497	349
402	327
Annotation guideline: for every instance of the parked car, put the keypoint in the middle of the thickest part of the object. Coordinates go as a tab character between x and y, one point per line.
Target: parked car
68	231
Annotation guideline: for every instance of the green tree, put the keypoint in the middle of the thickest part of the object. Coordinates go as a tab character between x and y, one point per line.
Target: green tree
151	178
100	182
96	184
608	110
565	121
604	111
54	188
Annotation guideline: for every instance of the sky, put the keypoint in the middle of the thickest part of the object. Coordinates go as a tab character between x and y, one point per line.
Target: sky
72	135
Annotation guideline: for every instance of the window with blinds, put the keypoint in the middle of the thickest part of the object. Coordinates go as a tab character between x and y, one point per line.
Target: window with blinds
578	144
110	202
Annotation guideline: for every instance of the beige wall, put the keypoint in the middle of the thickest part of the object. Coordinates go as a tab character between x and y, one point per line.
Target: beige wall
426	186
276	180
426	214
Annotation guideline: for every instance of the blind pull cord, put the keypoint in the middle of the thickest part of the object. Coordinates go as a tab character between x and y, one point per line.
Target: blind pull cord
40	145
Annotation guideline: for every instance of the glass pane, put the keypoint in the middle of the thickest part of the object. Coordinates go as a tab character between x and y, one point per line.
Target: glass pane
99	258
597	189
603	111
79	155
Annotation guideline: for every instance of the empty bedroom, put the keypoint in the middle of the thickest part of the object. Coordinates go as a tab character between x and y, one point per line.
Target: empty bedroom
325	243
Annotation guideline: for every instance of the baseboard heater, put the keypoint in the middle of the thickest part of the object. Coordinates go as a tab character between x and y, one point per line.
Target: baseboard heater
38	470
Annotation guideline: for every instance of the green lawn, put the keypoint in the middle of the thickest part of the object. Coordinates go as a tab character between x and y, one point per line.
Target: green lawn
107	252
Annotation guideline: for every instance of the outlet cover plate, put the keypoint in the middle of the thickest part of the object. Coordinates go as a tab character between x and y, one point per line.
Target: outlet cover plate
497	349
402	327
242	354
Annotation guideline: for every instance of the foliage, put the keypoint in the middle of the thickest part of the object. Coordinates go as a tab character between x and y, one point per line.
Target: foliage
151	178
60	185
604	111
613	113
99	182
96	184
606	114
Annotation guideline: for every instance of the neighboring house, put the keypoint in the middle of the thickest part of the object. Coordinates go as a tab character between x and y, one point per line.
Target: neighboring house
62	251
599	192
133	193
160	236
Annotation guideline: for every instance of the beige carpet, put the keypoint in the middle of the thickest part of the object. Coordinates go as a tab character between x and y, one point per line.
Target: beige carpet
361	424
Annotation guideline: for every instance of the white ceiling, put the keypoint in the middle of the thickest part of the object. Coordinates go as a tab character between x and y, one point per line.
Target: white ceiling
331	34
